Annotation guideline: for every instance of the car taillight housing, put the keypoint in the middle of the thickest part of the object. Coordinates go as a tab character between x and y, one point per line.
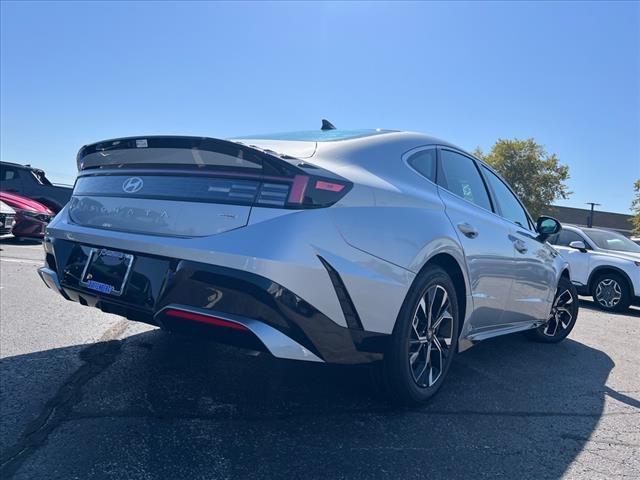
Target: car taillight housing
292	190
302	191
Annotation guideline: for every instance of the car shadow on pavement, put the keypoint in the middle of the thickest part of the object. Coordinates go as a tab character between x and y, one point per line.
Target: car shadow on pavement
163	406
633	311
11	240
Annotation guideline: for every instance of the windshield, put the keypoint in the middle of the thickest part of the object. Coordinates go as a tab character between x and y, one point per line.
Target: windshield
612	241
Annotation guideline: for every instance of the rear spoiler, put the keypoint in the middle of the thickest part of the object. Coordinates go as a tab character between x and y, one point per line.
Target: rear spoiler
199	152
287	181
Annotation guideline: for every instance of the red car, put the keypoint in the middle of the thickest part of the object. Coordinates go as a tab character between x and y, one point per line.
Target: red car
31	217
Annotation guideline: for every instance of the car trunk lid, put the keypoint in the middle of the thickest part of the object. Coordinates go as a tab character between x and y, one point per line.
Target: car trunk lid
190	186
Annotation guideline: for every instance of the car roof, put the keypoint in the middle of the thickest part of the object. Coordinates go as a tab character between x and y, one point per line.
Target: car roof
333	135
347	143
17	165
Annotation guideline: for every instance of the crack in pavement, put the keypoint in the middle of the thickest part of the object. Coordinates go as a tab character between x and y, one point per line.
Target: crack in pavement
97	358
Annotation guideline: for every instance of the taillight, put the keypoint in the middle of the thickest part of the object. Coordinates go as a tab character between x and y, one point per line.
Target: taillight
303	191
293	190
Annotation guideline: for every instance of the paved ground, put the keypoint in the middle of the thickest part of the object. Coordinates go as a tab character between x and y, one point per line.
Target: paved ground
88	395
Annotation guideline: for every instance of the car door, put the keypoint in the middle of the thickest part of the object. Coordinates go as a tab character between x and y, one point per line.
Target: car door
578	259
484	238
534	275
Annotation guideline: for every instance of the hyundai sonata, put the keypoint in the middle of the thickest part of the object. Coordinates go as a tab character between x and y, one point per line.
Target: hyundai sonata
348	247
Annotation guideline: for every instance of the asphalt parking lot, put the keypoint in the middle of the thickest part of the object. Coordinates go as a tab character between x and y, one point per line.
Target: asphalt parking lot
89	395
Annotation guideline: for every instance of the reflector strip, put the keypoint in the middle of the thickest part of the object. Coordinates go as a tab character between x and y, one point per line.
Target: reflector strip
331	187
211	320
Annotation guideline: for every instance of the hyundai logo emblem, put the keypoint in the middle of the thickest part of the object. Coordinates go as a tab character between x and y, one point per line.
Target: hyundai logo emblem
132	185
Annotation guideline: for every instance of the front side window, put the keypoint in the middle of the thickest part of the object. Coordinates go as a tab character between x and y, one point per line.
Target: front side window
424	162
508	204
461	177
565	237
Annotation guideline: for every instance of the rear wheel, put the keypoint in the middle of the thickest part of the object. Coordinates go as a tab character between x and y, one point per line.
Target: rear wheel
424	339
563	316
611	292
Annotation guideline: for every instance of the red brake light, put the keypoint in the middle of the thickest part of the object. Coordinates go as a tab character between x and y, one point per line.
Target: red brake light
329	186
209	319
315	192
296	195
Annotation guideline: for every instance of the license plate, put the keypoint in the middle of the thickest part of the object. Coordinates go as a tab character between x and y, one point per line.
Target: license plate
106	271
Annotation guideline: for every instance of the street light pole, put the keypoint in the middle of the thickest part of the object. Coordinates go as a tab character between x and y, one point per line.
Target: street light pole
590	220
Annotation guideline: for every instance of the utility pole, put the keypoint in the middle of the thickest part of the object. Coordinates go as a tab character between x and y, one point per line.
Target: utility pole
590	220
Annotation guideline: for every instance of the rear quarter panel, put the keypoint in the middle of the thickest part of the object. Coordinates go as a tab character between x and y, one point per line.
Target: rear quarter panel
401	219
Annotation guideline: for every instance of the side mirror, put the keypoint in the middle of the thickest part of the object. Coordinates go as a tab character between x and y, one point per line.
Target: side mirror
578	245
547	226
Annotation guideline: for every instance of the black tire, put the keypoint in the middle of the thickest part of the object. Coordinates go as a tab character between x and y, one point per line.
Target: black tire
611	282
432	346
564	314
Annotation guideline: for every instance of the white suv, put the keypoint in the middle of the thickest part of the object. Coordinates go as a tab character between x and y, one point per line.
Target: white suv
603	264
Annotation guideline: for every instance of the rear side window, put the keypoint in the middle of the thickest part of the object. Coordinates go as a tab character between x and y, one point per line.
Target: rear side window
461	177
7	174
508	204
424	162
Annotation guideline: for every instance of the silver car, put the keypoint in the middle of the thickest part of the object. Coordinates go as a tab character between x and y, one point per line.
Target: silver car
369	246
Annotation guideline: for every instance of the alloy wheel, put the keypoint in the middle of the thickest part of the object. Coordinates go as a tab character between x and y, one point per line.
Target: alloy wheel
608	292
561	316
431	336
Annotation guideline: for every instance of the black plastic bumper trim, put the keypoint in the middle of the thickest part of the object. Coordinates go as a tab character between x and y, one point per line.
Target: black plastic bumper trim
346	304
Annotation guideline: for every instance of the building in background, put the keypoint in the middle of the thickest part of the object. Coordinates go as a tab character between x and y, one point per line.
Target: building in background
618	222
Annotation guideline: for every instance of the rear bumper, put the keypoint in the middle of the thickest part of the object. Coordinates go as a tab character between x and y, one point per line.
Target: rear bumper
28	227
275	319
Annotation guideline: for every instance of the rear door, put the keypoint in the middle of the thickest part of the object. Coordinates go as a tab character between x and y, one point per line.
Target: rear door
484	237
534	275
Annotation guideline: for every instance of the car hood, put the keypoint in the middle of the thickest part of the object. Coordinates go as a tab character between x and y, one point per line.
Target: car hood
634	257
22	203
4	208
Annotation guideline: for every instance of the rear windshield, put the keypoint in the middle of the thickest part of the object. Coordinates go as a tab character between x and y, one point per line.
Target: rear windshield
40	177
169	156
317	135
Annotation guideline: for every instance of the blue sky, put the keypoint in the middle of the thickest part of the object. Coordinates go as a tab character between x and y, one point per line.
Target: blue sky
567	74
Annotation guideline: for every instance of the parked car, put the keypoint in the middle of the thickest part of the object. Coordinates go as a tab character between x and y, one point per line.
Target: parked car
604	264
31	218
330	246
7	218
32	183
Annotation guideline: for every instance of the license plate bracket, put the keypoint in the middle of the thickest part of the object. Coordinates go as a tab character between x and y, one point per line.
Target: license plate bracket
106	271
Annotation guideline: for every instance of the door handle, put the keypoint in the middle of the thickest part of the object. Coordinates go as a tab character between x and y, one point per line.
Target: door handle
468	230
520	246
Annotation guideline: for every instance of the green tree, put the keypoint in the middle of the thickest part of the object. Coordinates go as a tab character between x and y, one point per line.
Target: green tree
635	207
536	176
